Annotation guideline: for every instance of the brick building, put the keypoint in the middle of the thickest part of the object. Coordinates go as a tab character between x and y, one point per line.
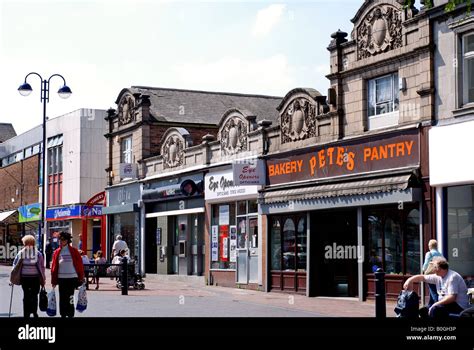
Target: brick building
19	185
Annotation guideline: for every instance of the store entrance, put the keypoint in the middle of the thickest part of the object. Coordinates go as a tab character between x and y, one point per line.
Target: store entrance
334	253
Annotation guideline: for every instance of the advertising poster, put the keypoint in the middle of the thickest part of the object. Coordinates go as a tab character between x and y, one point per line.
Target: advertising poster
233	244
224	251
224	215
215	243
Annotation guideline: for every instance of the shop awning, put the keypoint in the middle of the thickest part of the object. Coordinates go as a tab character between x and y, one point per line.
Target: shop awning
6	214
353	188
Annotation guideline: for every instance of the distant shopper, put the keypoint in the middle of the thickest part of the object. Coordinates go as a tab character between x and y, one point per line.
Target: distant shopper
100	260
32	274
119	245
84	257
428	268
451	288
67	271
49	252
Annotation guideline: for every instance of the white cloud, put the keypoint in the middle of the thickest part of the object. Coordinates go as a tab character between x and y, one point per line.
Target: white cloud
322	69
272	75
267	18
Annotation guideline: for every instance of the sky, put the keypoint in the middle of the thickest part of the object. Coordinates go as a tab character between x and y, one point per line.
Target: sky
103	46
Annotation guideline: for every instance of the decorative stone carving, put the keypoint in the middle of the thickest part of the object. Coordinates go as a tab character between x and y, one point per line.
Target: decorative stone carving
173	152
298	121
380	31
126	110
233	136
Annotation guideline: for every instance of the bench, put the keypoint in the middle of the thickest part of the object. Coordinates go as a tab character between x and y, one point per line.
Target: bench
92	271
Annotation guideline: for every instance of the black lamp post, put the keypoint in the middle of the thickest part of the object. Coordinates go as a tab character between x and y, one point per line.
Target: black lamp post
64	92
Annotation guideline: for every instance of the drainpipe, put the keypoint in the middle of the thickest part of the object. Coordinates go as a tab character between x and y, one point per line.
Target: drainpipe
339	38
110	115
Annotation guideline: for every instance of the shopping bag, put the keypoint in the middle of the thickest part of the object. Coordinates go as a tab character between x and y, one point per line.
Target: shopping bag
82	299
43	300
51	310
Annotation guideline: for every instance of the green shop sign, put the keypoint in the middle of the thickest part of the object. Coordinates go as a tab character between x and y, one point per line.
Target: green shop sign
31	212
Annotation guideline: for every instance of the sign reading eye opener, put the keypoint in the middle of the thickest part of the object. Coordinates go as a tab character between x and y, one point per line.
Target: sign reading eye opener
249	172
220	185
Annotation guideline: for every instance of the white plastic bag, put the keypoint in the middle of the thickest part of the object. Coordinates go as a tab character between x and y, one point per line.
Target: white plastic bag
82	299
52	305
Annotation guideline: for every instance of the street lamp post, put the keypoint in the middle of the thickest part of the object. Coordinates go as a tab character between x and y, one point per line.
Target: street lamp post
64	92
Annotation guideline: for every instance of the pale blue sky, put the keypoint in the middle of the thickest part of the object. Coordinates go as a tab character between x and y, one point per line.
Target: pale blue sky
103	46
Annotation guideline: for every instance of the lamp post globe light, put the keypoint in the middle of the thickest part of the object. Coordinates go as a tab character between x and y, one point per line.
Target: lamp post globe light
64	92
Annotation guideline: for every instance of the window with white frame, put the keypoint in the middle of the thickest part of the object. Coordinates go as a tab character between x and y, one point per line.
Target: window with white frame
383	100
383	95
468	67
126	150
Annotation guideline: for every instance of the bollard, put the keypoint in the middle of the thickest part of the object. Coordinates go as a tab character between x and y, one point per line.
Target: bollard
380	307
124	276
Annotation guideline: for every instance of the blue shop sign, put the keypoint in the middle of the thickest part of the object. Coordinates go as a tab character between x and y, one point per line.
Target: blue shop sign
73	211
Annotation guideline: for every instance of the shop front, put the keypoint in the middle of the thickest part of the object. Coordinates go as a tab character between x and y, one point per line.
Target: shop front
452	174
10	234
74	219
338	212
123	218
233	232
174	229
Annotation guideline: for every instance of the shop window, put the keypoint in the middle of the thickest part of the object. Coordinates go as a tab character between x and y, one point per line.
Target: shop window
223	219
413	242
301	245
253	207
393	240
127	225
383	100
288	243
460	221
275	244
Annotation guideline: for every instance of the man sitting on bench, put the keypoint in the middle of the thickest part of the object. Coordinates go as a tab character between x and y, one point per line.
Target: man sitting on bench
451	288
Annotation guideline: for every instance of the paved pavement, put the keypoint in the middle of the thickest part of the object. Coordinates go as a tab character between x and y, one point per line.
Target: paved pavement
175	298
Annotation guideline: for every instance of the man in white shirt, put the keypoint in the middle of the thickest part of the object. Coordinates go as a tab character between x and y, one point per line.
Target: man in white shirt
451	288
118	246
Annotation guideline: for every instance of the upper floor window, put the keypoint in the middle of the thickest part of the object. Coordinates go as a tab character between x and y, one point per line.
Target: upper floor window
126	150
55	155
383	101
468	67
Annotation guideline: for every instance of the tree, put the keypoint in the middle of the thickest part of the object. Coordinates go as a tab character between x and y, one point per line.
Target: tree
450	6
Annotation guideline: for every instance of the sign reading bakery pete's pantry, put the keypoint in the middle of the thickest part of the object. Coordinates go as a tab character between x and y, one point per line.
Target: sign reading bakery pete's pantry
390	151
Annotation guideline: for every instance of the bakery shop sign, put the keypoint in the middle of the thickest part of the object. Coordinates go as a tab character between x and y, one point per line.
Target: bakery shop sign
354	157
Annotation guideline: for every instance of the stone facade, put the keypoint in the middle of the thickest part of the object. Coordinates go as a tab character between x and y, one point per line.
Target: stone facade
387	38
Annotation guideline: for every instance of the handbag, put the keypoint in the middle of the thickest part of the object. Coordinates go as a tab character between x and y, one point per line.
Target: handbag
431	268
15	275
82	299
43	300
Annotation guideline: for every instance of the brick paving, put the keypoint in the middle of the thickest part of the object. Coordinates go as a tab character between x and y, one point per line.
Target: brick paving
176	298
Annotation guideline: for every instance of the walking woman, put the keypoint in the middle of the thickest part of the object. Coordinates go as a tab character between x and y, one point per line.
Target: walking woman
32	274
67	272
428	268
